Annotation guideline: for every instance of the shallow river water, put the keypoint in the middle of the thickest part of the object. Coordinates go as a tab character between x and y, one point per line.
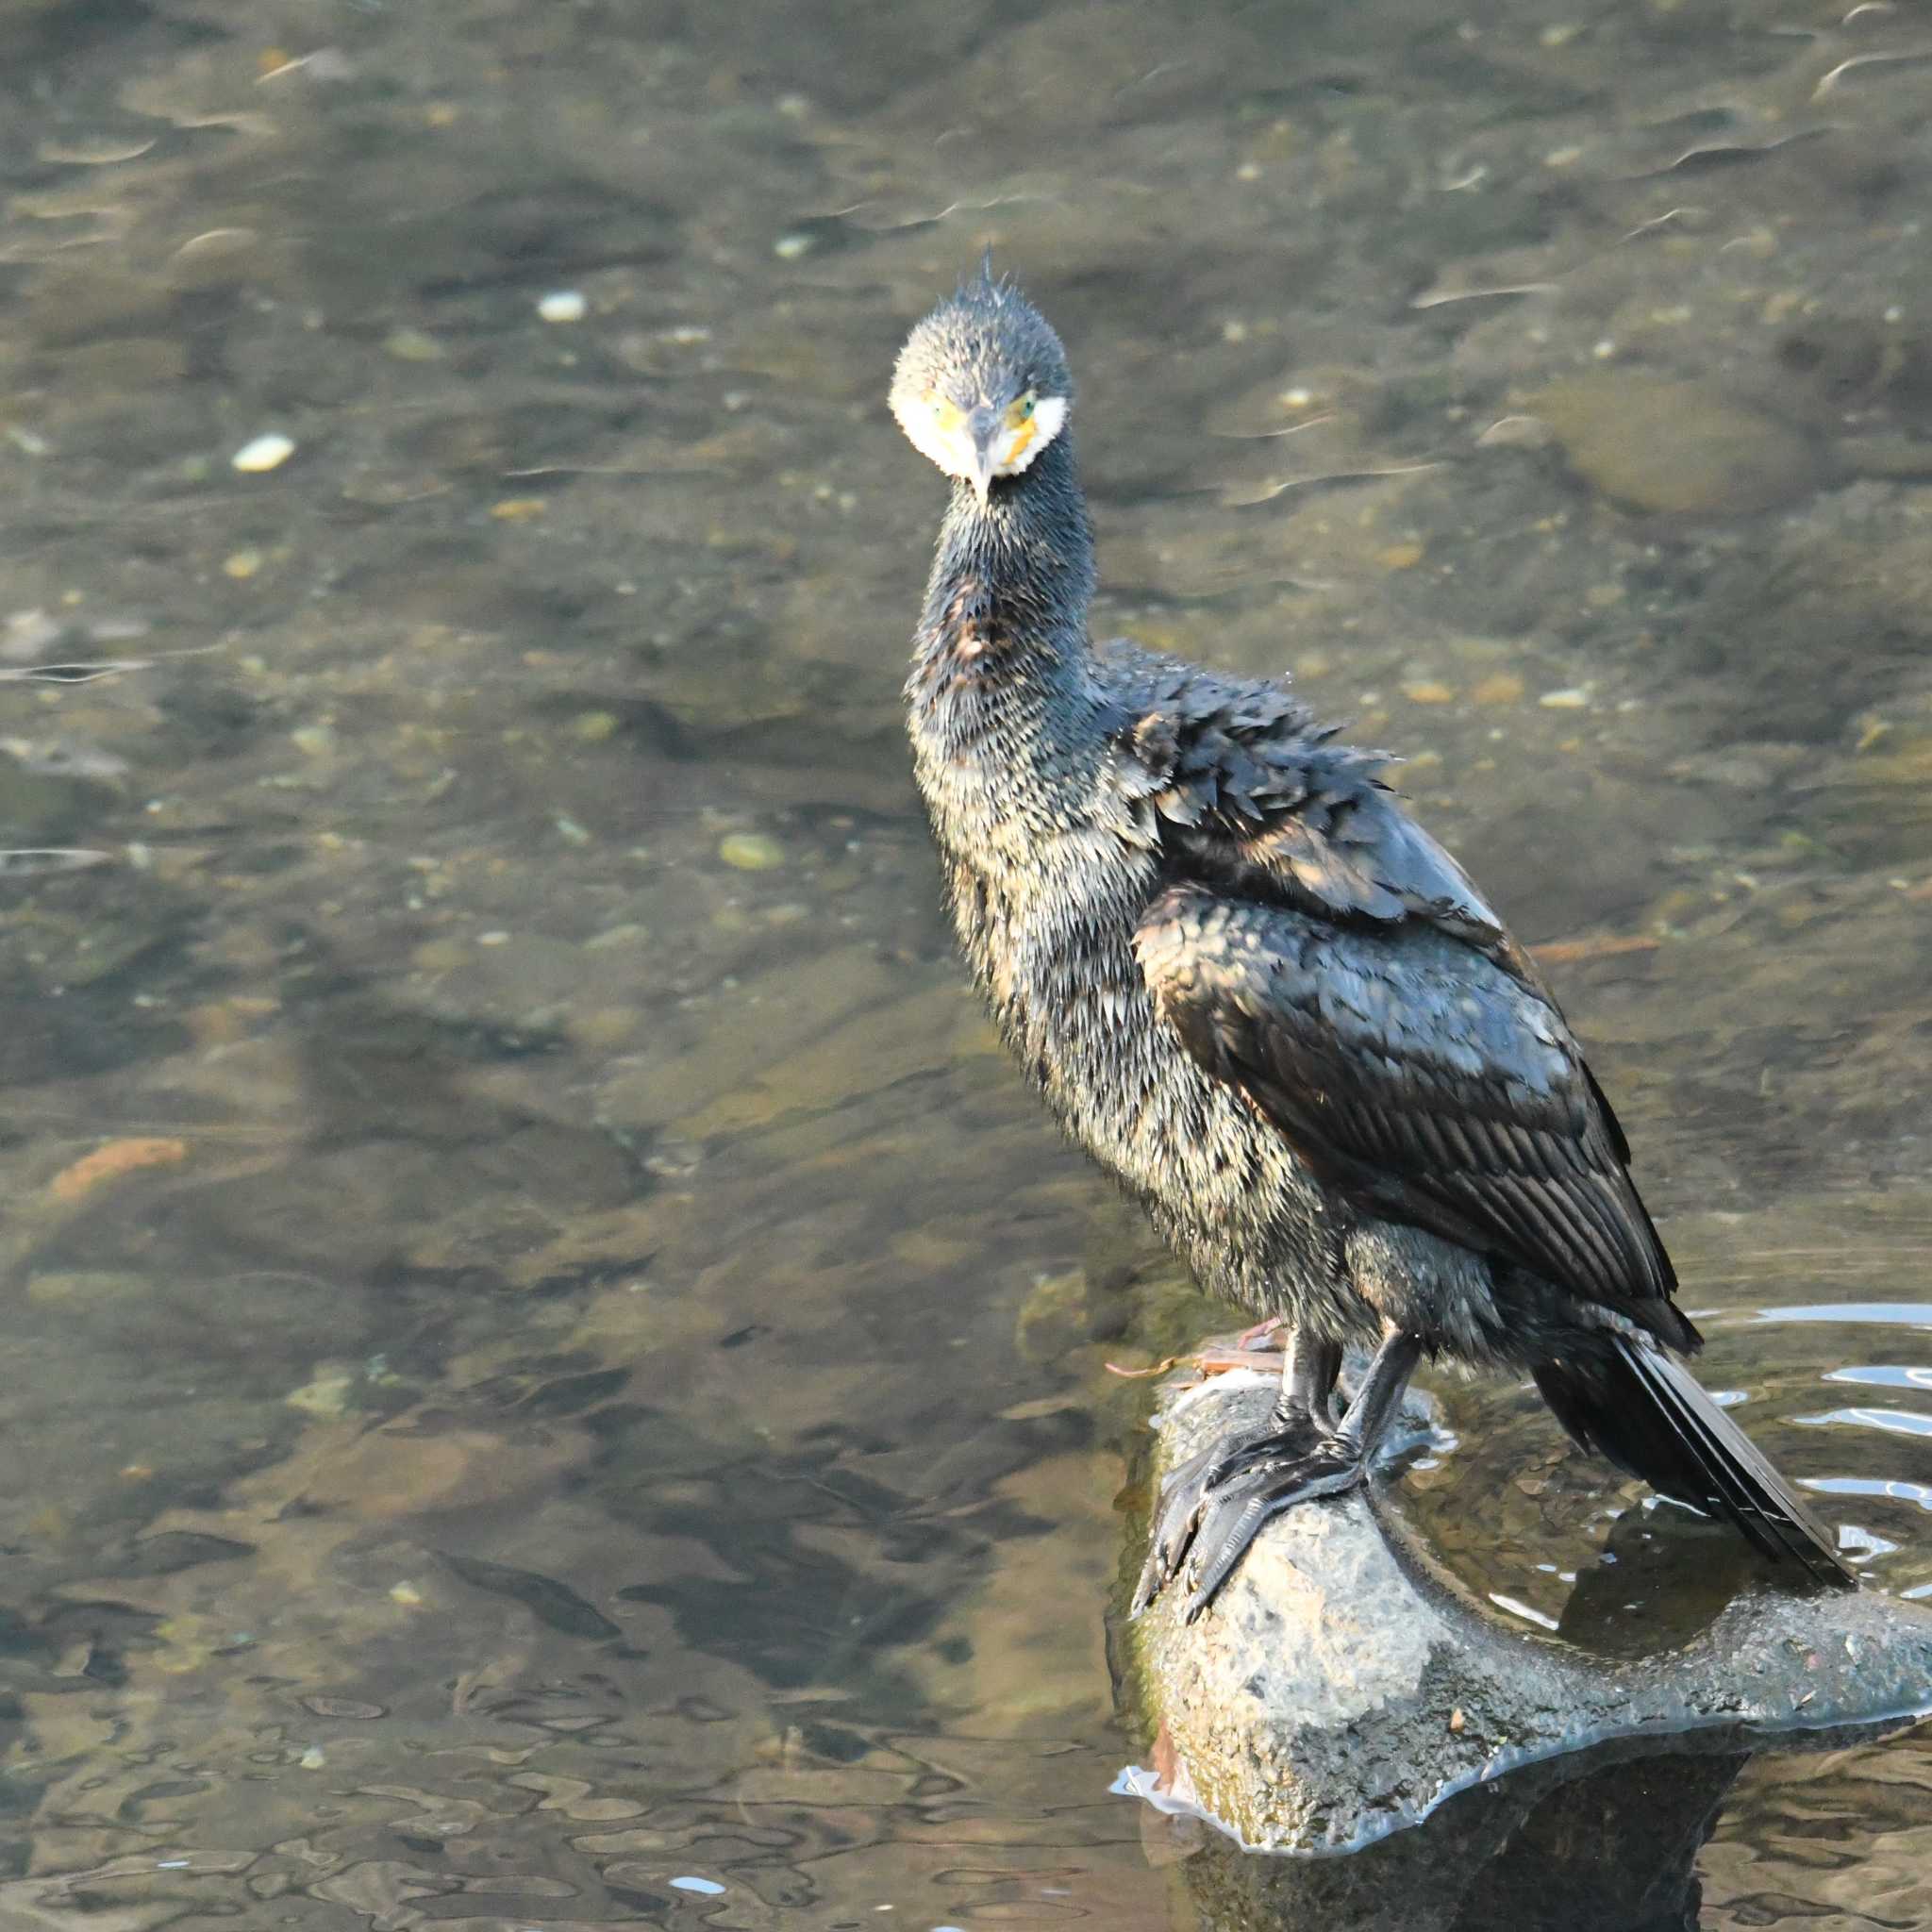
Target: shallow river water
553	1377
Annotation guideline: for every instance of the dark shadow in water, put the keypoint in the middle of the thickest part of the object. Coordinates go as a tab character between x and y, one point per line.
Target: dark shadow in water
1663	1577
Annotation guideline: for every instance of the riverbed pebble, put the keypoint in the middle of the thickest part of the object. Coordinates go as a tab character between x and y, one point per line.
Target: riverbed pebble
751	852
1676	448
267	452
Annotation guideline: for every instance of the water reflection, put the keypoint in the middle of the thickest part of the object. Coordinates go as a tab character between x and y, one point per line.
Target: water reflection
1887	1314
592	1176
1897	1422
1884	1376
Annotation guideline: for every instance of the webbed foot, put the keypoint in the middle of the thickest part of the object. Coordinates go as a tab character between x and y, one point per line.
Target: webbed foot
1237	1509
1212	1506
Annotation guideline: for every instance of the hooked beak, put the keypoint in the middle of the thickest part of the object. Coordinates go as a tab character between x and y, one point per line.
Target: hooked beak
984	425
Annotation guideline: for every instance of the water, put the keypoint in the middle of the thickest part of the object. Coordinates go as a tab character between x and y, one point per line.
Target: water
591	1377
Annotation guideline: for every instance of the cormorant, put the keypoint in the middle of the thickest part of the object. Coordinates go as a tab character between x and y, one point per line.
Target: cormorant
1251	987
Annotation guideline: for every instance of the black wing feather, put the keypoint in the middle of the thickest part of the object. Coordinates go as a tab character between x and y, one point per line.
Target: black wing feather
1422	1079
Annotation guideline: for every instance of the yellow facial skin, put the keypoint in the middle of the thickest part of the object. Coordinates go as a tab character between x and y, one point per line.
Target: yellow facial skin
1022	426
1027	428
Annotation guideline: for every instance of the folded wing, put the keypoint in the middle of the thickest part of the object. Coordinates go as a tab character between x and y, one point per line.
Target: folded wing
1418	1077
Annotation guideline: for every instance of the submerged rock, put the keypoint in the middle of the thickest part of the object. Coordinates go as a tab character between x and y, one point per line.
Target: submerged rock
1343	1690
1676	448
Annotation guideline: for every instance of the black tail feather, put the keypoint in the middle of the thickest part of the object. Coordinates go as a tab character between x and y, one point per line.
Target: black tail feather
1738	1488
1647	1414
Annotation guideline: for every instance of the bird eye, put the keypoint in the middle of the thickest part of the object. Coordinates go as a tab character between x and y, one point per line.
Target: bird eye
1019	414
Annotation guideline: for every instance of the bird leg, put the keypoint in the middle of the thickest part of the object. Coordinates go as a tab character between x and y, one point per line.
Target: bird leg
1304	1415
1309	1369
1214	1505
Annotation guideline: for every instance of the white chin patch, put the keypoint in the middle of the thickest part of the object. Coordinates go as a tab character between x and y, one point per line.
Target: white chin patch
1049	416
936	444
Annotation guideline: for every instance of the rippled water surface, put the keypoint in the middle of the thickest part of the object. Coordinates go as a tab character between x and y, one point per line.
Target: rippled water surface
554	1377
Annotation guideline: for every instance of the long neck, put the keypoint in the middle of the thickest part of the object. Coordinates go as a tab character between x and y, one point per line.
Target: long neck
1011	582
1001	700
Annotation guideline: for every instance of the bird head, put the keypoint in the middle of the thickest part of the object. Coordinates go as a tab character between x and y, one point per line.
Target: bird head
982	386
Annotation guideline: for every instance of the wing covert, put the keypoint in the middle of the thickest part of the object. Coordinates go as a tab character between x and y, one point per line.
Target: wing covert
1252	799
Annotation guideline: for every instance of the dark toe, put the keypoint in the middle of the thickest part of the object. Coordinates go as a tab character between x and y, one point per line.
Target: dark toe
1278	1446
1176	1514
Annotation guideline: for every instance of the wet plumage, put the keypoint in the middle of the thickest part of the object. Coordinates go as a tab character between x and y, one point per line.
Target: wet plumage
1253	988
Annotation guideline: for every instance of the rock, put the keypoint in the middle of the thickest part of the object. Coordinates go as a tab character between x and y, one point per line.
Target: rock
412	345
751	852
1676	448
1344	1689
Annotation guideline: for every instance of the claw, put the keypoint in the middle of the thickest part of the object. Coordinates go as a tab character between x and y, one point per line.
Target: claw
1154	1574
1154	1578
